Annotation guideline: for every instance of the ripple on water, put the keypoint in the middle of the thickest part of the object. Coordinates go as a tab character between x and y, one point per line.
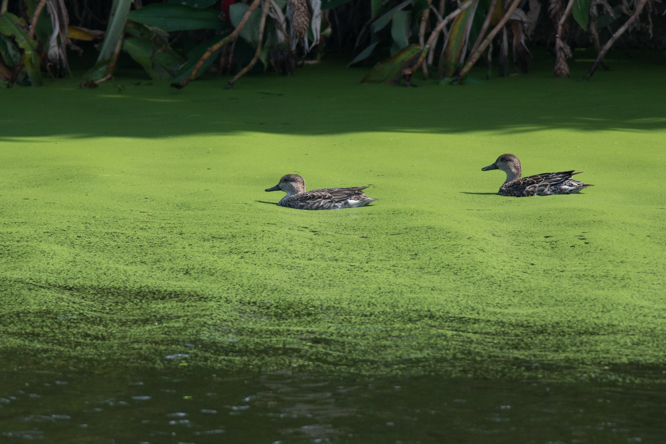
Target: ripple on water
185	408
25	434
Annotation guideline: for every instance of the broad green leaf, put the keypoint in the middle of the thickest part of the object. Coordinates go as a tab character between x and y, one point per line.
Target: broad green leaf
114	31
250	31
581	12
115	28
194	56
169	17
330	4
10	26
7	60
390	70
194	3
451	60
386	18
158	61
400	30
99	71
364	54
9	52
375	7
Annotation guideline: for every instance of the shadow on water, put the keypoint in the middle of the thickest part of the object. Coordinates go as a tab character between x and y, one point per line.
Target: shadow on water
300	106
207	408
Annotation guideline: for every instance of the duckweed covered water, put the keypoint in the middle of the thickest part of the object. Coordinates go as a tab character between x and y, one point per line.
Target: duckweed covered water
134	228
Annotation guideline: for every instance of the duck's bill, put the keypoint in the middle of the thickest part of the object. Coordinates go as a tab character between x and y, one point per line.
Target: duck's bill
488	168
275	188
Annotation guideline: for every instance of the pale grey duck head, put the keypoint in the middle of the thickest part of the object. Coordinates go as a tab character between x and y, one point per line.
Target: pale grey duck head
290	184
509	164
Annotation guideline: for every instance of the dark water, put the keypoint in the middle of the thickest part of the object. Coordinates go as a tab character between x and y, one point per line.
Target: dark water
176	407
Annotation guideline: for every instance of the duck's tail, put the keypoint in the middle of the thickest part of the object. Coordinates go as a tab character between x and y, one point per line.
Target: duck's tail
574	186
361	202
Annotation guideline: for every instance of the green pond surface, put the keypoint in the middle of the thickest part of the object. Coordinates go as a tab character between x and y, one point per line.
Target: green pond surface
135	235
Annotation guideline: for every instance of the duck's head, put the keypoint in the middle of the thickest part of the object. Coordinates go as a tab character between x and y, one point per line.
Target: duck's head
509	164
290	184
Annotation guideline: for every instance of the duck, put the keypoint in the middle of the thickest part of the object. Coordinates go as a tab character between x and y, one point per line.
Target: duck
545	184
323	199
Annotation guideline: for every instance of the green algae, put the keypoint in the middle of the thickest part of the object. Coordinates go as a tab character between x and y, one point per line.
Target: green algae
135	226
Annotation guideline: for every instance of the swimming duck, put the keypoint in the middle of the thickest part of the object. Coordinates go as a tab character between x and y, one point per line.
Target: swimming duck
540	184
324	199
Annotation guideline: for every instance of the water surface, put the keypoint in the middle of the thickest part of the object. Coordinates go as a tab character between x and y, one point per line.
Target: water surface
202	407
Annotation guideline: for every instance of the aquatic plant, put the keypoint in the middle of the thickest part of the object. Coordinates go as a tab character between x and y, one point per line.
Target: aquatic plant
178	40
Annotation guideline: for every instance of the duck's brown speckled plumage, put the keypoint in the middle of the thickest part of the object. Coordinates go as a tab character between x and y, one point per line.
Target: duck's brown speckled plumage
323	199
545	184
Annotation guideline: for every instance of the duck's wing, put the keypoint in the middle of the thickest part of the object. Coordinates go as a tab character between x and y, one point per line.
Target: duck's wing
340	194
331	194
542	183
327	199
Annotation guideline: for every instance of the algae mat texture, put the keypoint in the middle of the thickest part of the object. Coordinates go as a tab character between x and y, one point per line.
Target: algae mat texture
134	227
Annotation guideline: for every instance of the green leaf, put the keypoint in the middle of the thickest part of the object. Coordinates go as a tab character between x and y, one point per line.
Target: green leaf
114	31
390	70
364	54
400	30
10	26
194	56
375	7
99	71
194	3
386	18
170	17
243	54
115	28
8	58
160	62
250	31
9	52
451	61
581	12
330	4
146	32
417	10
